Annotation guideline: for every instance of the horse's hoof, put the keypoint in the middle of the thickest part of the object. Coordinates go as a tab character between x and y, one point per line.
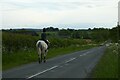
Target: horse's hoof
44	61
39	62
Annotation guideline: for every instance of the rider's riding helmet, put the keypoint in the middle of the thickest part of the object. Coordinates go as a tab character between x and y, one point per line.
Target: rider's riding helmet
44	30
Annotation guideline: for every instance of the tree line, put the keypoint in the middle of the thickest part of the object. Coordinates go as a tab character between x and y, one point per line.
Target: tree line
14	40
97	34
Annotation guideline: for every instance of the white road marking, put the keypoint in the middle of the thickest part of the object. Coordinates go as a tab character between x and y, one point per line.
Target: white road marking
84	54
54	67
42	72
70	60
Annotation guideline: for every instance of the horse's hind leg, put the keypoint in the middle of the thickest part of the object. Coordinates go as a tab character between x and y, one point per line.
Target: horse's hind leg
45	57
41	57
39	60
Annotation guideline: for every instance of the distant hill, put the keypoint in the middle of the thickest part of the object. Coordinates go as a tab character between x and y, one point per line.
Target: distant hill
32	32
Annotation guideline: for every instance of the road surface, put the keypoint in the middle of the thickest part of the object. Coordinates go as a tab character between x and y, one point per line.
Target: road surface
75	65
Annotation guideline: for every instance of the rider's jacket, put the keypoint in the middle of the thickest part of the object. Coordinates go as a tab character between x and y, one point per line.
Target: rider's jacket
43	37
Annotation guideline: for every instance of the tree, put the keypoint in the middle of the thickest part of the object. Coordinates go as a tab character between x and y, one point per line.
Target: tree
76	34
52	29
64	33
115	34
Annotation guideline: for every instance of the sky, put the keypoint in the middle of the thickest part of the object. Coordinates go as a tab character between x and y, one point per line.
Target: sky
75	14
119	12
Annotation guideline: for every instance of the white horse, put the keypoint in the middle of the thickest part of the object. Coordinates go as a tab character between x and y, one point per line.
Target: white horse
42	49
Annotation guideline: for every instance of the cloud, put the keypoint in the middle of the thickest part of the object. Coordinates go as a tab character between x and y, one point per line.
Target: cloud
41	12
54	4
81	15
119	12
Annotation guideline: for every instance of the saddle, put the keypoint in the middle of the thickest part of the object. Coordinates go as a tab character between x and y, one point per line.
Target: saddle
47	42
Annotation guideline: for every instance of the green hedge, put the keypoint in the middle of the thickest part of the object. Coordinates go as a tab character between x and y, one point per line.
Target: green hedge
12	42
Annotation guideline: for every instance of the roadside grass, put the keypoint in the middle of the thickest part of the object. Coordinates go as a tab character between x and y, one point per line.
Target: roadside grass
0	61
107	67
67	50
16	59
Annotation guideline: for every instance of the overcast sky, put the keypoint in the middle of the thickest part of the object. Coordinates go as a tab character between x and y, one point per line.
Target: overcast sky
76	14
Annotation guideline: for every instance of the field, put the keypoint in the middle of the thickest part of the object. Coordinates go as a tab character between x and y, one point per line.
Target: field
108	65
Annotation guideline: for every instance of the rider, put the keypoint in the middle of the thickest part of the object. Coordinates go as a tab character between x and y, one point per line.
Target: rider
43	36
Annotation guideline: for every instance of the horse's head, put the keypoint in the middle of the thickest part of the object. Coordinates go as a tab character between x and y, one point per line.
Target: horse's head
48	41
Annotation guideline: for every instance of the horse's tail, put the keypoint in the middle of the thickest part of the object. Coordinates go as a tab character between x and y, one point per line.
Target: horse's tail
40	46
39	49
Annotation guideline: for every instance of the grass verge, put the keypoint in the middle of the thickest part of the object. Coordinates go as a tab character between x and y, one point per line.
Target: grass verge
19	58
107	67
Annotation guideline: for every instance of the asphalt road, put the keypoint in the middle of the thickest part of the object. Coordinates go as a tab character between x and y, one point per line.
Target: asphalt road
75	65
